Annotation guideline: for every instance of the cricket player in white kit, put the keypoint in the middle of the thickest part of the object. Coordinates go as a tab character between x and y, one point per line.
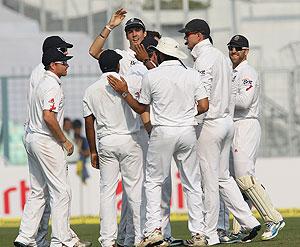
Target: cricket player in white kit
173	135
117	130
130	65
216	134
135	74
247	136
135	32
45	143
35	77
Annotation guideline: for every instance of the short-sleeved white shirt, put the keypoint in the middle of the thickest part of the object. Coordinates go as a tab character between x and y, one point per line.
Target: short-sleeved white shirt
47	95
215	74
113	115
247	97
173	91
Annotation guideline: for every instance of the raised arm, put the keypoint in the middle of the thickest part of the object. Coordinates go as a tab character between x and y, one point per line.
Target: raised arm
115	20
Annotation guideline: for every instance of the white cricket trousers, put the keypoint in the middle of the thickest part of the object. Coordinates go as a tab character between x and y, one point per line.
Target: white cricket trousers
245	146
126	157
180	143
48	180
125	229
214	146
126	234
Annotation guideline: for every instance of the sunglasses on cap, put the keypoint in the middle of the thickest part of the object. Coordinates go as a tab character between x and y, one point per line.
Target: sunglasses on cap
230	48
187	34
65	63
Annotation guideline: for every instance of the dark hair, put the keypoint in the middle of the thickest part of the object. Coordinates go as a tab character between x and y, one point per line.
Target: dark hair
47	67
154	34
76	123
66	119
161	57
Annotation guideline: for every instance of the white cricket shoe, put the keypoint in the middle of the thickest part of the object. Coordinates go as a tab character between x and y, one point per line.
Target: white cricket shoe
81	243
272	230
170	241
196	240
154	238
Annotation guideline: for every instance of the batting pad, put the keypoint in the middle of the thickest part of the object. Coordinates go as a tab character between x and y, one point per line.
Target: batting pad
259	197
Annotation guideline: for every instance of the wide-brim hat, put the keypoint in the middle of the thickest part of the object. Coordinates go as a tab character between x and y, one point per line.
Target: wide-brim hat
170	47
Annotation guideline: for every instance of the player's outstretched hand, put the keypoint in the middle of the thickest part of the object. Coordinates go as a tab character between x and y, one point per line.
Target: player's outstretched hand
141	53
118	85
68	146
95	160
117	18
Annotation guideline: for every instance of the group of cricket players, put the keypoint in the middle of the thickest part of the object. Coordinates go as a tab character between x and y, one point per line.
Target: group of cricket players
147	109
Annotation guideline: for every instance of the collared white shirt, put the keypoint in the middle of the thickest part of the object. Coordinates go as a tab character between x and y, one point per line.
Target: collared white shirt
113	115
173	91
47	95
35	77
128	60
216	77
247	97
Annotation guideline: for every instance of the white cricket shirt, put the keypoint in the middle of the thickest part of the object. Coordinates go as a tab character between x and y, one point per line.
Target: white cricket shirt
113	115
127	61
172	90
47	95
215	74
247	97
35	77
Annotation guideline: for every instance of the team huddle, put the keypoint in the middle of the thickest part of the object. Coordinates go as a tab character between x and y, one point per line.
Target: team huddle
147	109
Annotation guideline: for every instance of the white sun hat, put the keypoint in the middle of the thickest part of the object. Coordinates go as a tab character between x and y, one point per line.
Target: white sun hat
170	47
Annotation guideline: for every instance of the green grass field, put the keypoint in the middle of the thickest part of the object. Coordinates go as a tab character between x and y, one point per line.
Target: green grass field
289	236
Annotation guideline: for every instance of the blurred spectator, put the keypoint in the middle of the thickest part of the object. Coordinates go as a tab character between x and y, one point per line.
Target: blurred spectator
69	133
82	149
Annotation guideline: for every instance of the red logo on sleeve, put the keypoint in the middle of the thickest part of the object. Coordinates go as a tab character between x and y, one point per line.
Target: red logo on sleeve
248	84
52	104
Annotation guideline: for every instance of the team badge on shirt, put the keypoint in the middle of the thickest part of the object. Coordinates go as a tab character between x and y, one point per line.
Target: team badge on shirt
52	104
202	72
132	62
137	94
247	83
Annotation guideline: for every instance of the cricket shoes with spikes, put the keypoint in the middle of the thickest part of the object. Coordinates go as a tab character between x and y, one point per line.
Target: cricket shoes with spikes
154	238
227	237
170	241
196	241
272	230
246	235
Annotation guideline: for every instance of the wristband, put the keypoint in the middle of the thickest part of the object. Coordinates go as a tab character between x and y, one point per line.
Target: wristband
102	36
108	27
124	94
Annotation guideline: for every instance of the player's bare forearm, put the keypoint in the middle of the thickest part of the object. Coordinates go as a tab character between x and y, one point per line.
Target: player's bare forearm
97	45
53	125
120	86
202	106
91	138
90	132
146	119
